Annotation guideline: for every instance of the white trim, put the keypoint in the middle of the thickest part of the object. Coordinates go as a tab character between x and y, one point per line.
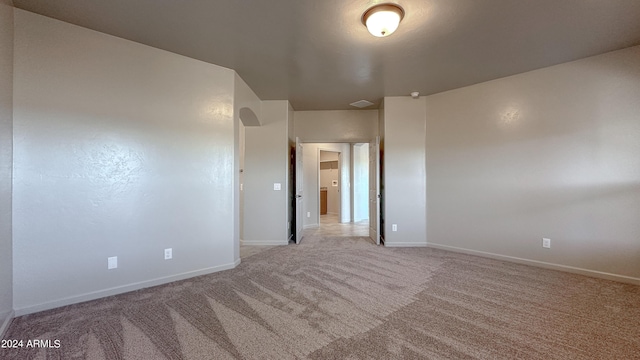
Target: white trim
542	264
311	226
265	242
120	289
405	244
236	263
7	321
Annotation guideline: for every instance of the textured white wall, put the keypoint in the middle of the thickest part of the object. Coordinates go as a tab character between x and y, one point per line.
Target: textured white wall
404	171
241	165
336	125
550	153
266	163
244	99
6	161
119	150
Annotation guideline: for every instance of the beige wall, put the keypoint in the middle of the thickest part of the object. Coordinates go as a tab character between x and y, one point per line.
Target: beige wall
551	153
245	102
404	171
120	150
266	163
6	162
240	172
336	125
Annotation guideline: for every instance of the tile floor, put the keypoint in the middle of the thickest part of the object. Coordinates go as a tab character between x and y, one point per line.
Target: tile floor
329	226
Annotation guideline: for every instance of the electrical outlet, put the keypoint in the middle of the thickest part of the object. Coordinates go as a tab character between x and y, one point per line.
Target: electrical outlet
546	243
168	253
308	214
277	186
112	262
394	227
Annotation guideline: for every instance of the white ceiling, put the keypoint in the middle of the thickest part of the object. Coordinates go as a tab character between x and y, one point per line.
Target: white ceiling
317	53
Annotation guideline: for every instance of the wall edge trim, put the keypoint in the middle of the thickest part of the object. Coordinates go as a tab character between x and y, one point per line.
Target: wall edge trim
265	242
94	295
7	321
405	244
541	264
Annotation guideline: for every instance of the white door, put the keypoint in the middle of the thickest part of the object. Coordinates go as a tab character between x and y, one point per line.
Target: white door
299	186
374	190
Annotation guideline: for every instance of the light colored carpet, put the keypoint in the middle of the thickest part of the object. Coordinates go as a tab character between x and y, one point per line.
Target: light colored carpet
345	298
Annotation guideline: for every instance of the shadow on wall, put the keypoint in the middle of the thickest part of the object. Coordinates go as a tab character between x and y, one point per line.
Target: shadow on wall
550	153
248	117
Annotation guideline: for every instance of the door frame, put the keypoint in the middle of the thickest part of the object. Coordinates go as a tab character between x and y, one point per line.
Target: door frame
374	192
299	192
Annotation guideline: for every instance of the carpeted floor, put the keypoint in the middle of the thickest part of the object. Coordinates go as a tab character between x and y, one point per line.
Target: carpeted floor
345	298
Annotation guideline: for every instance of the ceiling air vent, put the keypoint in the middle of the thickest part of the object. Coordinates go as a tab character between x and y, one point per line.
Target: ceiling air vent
361	104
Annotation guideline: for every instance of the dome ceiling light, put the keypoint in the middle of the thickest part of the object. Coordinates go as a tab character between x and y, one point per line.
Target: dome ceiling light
383	19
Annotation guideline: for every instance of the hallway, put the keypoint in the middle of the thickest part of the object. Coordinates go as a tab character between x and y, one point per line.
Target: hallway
330	226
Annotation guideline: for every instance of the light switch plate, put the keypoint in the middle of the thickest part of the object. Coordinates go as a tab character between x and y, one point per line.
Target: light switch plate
112	262
277	186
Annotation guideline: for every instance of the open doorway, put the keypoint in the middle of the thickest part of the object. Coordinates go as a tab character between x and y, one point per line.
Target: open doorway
335	187
330	183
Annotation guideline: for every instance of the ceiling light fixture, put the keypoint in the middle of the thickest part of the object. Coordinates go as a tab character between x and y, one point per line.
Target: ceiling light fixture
361	103
383	19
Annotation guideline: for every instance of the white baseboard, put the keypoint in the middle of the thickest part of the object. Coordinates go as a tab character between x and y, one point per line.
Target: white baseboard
120	289
265	242
405	244
312	226
5	324
542	264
